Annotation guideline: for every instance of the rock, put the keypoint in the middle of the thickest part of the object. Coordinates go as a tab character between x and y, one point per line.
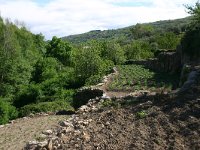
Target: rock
31	115
31	145
94	108
86	136
43	144
1	126
25	118
50	145
68	129
152	94
84	108
191	80
77	132
107	123
48	132
105	96
11	122
66	124
100	84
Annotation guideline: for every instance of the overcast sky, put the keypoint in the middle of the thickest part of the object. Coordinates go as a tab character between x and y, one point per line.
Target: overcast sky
66	17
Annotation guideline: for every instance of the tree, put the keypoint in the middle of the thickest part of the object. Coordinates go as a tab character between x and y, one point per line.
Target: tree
190	41
142	30
138	50
59	49
87	62
168	40
195	12
114	52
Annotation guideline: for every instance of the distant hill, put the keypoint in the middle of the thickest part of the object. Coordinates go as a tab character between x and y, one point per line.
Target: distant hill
125	34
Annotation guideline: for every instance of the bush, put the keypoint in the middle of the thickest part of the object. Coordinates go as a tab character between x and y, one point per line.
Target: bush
190	43
93	80
7	111
138	50
28	94
45	107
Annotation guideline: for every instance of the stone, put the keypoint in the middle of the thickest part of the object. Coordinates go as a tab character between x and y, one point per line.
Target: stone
100	84
66	124
50	145
84	108
105	96
42	136
68	129
1	126
107	123
86	136
43	144
48	132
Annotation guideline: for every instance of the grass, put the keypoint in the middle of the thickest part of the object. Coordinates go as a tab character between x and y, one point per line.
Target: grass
141	114
137	77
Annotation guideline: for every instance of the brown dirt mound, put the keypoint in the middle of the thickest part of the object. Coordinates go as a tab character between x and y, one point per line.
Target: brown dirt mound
168	122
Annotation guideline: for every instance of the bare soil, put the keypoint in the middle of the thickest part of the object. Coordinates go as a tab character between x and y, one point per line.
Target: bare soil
170	122
14	136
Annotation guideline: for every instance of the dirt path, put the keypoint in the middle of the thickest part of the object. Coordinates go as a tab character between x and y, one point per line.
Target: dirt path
15	136
107	80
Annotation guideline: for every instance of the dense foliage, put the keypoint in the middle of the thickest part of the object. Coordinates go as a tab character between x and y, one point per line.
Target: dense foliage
38	75
137	77
190	41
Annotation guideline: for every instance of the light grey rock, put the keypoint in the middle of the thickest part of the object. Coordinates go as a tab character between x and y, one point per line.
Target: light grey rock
50	145
48	132
66	124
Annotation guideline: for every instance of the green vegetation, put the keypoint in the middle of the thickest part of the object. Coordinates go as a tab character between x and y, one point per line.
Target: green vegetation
190	41
38	75
110	103
125	35
137	77
7	111
45	107
141	114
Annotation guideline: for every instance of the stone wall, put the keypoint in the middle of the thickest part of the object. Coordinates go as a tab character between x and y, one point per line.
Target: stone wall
169	61
84	95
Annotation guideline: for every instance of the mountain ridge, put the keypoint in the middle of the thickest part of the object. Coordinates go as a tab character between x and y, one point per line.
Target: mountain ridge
125	33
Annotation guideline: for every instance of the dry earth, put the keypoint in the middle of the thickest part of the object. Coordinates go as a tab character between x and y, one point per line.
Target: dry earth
170	122
14	136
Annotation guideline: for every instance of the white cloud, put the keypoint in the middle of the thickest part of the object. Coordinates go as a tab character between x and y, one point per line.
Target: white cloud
65	17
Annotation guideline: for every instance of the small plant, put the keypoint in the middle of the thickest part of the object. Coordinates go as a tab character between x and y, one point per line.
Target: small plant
110	103
141	114
137	77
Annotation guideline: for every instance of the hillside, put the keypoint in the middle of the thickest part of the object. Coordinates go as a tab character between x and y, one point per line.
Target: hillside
145	120
125	34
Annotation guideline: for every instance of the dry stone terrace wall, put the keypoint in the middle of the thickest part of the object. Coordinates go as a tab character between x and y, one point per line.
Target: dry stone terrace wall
85	94
165	62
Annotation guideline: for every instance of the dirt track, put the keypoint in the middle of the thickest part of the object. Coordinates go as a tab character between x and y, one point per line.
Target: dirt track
15	136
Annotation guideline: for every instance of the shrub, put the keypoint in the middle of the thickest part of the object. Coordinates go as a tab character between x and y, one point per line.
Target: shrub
28	94
110	103
45	107
141	114
93	80
7	111
190	43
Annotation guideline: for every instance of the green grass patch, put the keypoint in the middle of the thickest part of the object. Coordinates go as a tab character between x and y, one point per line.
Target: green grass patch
141	114
45	107
137	77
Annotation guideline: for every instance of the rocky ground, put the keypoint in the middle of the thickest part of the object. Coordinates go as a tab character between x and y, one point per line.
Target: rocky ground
141	120
15	135
148	121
